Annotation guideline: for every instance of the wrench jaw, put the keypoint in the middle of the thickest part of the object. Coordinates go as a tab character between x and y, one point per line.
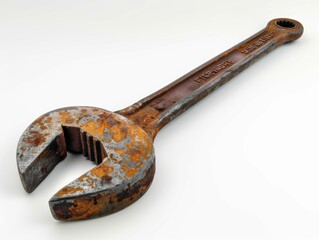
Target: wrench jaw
33	174
38	152
78	200
123	152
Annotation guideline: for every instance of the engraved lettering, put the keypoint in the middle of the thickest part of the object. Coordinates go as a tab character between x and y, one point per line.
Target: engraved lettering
248	48
163	102
210	73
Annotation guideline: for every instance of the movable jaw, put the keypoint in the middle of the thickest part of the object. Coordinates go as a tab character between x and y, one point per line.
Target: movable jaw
123	152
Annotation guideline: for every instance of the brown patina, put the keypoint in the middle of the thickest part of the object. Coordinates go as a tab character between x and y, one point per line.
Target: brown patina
121	142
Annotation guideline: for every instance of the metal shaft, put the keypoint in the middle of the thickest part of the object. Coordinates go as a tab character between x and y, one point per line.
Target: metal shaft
156	110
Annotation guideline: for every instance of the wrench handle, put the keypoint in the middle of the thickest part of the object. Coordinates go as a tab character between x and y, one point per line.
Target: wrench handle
159	108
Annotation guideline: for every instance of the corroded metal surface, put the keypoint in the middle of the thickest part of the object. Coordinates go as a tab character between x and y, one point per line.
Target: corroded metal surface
123	151
121	143
161	107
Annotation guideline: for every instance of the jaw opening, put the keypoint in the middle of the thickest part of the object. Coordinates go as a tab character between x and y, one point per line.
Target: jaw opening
122	151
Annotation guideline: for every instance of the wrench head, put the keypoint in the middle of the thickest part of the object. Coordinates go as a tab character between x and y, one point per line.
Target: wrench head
123	152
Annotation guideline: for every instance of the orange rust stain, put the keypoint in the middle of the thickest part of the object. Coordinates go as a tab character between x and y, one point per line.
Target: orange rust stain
102	170
85	208
113	198
39	120
48	120
66	117
118	151
117	133
131	172
87	179
82	178
136	154
95	128
138	149
106	178
139	133
36	138
42	125
102	203
68	190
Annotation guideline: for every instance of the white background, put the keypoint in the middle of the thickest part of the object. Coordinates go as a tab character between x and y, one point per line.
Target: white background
241	164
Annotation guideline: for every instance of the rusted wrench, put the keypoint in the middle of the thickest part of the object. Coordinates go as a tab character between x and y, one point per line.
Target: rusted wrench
121	142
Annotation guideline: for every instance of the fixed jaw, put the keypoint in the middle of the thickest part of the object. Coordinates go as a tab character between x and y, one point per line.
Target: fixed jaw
123	153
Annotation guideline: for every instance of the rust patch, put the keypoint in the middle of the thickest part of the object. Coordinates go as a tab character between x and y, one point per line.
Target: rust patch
66	117
103	203
106	178
111	121
117	133
95	128
102	170
129	172
69	190
48	120
85	208
135	154
36	138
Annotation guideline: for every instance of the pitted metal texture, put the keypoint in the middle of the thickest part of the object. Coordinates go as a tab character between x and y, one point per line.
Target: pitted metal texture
121	142
123	151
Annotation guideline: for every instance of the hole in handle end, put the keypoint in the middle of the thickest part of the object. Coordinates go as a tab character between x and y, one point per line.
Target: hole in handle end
289	29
